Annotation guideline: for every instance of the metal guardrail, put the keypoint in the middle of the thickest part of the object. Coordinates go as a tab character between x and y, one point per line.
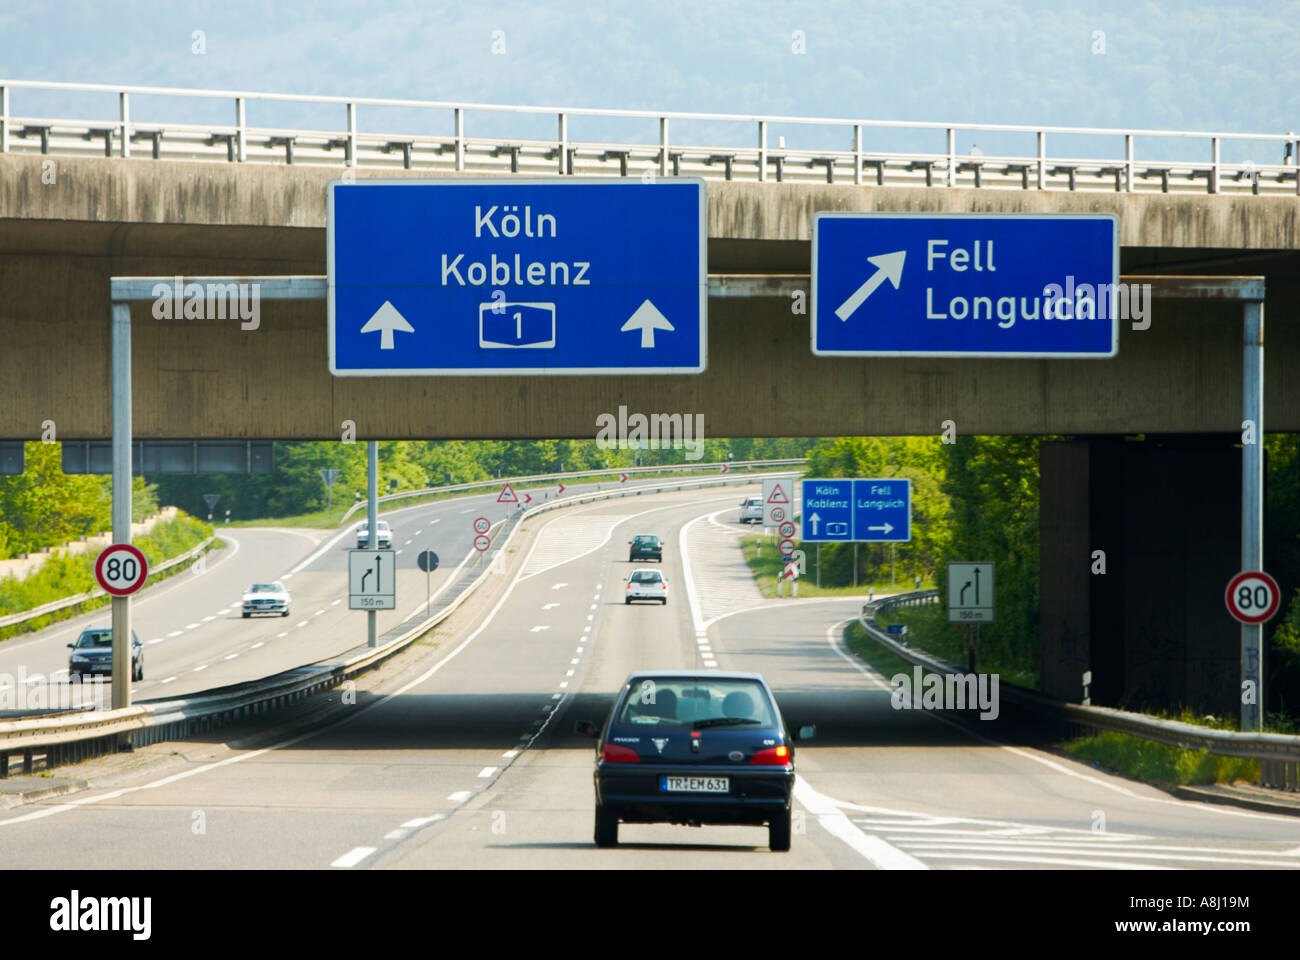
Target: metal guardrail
863	157
55	605
1278	754
75	736
748	465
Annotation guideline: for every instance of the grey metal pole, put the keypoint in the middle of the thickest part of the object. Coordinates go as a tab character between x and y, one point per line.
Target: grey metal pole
1252	502
372	515
121	349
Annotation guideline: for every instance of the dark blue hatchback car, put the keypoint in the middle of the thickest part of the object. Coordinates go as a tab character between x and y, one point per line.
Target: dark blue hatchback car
694	748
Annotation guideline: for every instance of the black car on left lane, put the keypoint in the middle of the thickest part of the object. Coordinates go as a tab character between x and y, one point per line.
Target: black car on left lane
92	654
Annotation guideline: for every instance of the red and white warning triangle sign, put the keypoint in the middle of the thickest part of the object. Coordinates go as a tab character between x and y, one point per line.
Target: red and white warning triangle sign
507	495
777	495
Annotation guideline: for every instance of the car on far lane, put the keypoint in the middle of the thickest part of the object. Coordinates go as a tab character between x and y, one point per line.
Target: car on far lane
751	510
645	546
646	584
692	748
363	536
266	598
92	654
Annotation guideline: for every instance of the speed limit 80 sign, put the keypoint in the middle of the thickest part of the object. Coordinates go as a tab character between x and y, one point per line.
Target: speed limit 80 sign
121	569
1253	596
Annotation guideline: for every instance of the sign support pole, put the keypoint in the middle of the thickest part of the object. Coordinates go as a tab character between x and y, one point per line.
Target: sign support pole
372	515
1252	504
121	349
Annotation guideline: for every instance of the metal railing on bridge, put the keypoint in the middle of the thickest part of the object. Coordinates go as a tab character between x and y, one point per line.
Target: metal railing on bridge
1268	167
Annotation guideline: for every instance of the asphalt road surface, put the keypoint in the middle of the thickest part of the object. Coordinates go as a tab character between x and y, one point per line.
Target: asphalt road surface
463	755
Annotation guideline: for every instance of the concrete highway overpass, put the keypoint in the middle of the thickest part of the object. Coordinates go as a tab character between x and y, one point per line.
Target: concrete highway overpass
61	241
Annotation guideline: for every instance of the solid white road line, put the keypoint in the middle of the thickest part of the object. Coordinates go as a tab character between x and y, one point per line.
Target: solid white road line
353	857
828	813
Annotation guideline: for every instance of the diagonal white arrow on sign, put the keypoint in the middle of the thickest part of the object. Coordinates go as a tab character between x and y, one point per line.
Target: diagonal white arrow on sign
889	266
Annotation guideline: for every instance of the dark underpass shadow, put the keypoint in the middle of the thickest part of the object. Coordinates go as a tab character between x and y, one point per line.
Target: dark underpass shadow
494	721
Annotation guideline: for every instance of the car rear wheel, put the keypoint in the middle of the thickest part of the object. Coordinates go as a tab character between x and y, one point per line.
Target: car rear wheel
778	833
245	614
285	614
606	828
138	674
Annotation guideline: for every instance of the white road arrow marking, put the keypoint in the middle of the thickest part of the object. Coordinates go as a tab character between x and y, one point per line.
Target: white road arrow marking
647	319
386	320
889	266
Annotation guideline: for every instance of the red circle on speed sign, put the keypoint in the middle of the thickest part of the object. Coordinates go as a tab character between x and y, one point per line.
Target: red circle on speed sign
1252	596
481	525
481	542
778	514
121	569
786	547
786	530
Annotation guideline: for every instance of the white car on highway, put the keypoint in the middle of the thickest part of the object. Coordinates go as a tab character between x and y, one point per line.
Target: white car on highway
751	510
646	584
266	598
363	535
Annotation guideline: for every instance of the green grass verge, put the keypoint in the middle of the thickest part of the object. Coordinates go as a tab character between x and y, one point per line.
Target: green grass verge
66	575
766	565
1158	763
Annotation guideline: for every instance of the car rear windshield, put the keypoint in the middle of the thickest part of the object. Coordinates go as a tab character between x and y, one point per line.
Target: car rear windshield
651	541
646	576
674	702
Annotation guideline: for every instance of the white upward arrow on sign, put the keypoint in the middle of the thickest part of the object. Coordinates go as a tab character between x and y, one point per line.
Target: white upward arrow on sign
647	319
889	266
386	320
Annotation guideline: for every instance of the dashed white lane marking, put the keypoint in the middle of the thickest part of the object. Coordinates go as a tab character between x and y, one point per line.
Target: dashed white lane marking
437	520
470	510
587	628
539	629
153	641
593	606
559	586
353	857
190	626
203	667
421	821
258	644
398	553
232	656
279	635
302	623
509	754
168	680
549	606
837	824
335	603
408	542
206	619
569	673
573	661
554	696
175	633
395	835
287	576
591	616
318	613
579	650
460	796
222	613
565	683
486	772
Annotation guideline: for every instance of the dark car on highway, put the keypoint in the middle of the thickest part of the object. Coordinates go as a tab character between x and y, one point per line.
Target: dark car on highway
645	547
694	748
92	654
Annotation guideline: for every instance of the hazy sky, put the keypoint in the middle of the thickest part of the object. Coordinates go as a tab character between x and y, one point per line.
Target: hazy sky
1177	64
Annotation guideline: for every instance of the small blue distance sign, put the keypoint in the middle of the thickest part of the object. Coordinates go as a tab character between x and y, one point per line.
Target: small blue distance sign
966	285
863	510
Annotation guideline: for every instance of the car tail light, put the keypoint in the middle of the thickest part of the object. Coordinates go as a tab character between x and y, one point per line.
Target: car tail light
613	753
772	756
663	586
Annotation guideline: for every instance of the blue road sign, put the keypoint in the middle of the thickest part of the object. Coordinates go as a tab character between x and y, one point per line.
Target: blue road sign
966	285
517	276
863	510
